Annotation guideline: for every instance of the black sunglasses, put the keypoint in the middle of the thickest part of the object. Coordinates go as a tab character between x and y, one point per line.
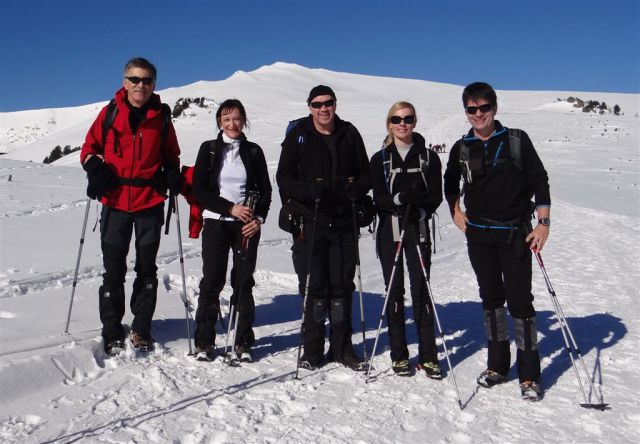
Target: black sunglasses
407	119
474	109
318	105
135	80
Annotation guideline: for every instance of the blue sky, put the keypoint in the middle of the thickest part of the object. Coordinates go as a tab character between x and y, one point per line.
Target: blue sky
58	53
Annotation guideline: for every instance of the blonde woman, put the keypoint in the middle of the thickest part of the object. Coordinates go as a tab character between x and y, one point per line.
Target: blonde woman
407	183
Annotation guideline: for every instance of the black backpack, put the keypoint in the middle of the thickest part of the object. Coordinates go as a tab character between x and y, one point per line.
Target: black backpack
515	149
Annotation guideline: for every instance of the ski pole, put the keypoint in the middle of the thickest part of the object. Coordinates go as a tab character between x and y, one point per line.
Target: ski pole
226	340
435	315
75	273
250	201
184	280
396	261
356	235
569	341
306	286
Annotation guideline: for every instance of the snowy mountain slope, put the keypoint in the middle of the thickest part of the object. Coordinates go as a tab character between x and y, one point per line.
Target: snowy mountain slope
61	388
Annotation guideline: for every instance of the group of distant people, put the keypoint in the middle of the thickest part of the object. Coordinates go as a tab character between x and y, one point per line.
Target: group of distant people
131	156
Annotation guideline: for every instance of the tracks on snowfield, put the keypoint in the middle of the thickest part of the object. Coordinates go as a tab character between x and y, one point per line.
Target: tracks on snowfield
64	278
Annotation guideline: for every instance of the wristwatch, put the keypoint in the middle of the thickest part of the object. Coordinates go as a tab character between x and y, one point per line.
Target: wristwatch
545	221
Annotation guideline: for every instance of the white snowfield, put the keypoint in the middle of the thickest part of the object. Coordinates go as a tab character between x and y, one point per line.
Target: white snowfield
61	388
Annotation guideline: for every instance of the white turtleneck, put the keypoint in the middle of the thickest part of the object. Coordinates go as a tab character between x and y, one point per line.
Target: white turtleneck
232	179
403	149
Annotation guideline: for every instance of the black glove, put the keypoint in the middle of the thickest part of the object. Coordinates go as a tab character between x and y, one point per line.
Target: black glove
414	213
174	181
353	191
316	189
413	197
101	178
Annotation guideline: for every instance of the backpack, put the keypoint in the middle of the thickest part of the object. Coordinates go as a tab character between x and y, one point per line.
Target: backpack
301	137
110	116
390	172
515	149
389	176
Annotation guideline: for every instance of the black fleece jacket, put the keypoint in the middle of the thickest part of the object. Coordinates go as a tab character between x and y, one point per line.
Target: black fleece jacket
383	197
305	157
501	191
206	173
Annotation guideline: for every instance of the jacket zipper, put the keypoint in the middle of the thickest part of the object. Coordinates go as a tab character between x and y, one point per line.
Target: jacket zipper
133	160
140	143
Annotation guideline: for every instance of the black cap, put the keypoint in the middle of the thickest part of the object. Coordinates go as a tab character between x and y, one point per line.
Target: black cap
320	90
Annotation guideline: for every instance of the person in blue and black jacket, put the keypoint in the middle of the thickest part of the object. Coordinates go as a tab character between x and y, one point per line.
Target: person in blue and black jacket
501	172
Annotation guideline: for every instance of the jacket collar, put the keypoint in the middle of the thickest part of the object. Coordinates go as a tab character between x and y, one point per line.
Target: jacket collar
340	126
418	147
470	136
153	105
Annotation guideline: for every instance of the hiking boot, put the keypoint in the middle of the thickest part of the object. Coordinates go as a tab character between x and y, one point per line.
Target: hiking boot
354	362
531	391
309	363
432	369
401	367
140	342
243	354
114	347
205	353
489	378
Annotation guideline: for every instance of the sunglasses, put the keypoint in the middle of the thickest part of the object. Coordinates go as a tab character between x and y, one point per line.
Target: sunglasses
474	109
318	105
135	80
407	119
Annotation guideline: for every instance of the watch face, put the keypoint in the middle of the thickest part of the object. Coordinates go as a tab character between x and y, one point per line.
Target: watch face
545	221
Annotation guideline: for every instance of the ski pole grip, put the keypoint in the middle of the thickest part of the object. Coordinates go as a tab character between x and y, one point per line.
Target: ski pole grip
170	209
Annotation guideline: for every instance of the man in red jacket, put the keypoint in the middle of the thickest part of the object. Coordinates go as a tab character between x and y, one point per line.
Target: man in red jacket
131	156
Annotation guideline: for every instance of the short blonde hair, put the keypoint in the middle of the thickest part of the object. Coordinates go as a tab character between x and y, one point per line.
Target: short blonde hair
395	107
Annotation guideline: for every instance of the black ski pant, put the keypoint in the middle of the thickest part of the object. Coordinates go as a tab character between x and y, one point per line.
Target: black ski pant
333	265
116	230
218	237
502	264
420	298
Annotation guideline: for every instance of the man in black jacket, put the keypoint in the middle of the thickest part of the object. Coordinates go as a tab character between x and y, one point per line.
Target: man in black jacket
323	160
499	181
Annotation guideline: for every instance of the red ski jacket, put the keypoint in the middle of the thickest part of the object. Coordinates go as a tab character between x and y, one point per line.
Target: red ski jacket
196	222
131	156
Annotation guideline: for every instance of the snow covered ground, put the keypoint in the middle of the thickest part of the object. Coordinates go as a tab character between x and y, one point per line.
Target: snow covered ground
62	388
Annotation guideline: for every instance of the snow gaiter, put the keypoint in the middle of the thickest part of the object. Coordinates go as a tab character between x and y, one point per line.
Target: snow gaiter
527	358
111	306
497	329
143	304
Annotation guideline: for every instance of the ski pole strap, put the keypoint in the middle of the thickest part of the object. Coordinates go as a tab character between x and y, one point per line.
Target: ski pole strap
170	209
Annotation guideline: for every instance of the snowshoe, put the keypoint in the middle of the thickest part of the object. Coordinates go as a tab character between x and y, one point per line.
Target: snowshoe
309	364
355	363
489	378
114	348
431	369
531	391
401	367
205	354
243	354
140	342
